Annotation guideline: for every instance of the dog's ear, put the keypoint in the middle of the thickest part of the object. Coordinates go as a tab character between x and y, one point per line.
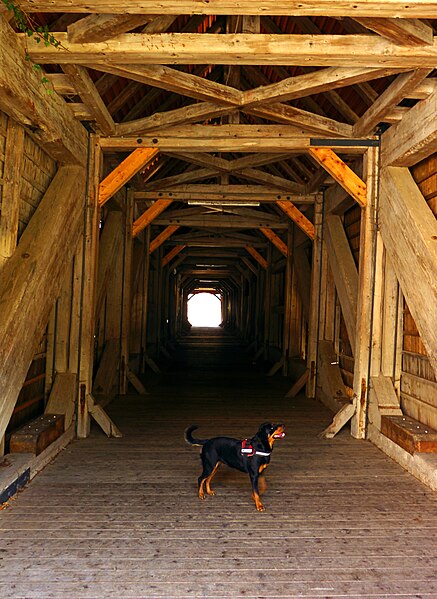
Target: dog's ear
265	429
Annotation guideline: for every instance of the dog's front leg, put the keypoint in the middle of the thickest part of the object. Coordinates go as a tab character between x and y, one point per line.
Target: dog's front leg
255	491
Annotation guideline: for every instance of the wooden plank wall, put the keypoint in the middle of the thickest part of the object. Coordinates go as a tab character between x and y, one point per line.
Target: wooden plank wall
418	381
38	170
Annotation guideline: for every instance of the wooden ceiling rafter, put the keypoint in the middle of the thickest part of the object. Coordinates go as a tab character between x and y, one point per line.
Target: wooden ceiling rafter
418	9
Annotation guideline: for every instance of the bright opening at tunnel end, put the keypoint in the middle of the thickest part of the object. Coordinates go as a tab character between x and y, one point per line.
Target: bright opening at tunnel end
204	310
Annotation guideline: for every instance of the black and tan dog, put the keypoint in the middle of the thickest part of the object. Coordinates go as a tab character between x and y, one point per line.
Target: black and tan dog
250	455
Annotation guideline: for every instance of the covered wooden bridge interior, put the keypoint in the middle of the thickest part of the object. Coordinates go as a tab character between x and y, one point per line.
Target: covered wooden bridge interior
281	156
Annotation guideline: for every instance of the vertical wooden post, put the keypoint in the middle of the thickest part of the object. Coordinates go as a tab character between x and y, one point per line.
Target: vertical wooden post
13	160
145	299
313	324
287	301
267	302
366	277
88	292
126	291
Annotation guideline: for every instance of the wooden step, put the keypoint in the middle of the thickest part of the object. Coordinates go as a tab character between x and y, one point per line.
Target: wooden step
410	434
38	434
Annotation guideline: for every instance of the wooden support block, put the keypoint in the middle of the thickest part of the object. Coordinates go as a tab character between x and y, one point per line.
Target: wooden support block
106	376
298	385
135	382
274	369
62	397
410	434
38	434
102	418
152	364
388	401
343	416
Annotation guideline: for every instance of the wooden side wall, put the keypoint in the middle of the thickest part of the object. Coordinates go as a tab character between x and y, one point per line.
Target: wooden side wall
418	387
36	174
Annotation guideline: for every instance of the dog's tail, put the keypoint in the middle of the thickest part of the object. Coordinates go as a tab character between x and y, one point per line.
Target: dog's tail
189	437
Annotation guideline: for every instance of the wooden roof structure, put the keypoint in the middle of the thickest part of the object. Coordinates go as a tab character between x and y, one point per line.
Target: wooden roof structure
269	151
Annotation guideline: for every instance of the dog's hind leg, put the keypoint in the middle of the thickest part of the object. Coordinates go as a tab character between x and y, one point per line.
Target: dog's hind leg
209	469
208	480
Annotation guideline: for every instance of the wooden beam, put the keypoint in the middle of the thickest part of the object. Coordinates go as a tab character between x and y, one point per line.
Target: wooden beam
307	84
409	232
220	221
259	49
255	254
405	32
30	281
365	300
344	272
298	217
12	179
136	161
89	95
275	239
85	310
414	138
100	27
180	116
308	121
149	215
162	237
314	299
253	174
344	175
420	9
389	99
171	254
185	177
246	193
46	117
177	82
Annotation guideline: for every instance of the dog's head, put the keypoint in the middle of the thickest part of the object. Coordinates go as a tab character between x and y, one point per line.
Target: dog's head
271	432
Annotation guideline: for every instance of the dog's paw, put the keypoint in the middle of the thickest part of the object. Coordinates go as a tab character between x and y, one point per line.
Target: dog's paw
260	507
211	493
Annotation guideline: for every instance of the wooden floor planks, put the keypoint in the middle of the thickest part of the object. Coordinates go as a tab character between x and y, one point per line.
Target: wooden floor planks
119	518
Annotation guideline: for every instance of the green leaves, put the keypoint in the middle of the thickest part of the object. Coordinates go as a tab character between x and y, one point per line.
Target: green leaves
39	33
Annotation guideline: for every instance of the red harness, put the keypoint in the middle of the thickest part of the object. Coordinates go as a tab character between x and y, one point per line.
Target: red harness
249	451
